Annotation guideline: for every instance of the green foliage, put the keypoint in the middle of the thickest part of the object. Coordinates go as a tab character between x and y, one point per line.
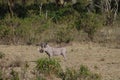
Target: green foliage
1	55
48	66
70	74
57	15
82	74
20	11
3	10
84	70
14	75
80	6
63	34
4	31
29	26
90	23
85	74
26	30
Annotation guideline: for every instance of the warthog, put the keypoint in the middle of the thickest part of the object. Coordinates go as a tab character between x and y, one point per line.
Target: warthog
51	51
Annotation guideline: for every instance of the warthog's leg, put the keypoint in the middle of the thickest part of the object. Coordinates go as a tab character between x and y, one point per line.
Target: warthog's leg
49	55
63	54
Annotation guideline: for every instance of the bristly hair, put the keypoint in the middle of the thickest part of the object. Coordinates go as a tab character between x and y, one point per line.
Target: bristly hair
43	45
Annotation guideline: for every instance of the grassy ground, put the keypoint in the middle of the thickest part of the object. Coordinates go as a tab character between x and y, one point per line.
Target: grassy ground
99	59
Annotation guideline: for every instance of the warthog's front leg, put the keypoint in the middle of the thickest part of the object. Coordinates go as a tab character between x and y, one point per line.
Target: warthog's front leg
64	56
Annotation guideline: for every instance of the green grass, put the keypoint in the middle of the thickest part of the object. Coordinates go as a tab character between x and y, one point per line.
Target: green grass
48	66
14	75
82	74
1	55
69	74
85	74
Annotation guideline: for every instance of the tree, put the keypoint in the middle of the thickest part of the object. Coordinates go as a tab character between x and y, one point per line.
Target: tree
23	2
109	10
11	6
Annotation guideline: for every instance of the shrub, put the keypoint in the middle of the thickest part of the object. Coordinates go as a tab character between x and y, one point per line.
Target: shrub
70	74
85	74
82	74
1	55
83	71
60	13
4	31
48	66
89	23
14	75
63	34
28	30
81	5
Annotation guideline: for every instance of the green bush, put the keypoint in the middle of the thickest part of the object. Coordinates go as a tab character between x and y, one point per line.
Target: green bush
84	70
63	34
89	23
14	75
28	30
48	66
5	31
82	74
58	14
80	6
85	74
69	74
1	55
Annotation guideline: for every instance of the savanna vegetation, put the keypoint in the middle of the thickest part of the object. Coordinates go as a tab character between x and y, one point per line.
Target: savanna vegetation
60	21
32	21
45	69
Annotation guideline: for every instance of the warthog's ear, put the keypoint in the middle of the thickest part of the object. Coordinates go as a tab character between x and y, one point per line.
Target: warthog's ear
45	44
41	45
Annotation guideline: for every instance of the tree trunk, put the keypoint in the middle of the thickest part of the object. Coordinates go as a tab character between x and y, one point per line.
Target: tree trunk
11	6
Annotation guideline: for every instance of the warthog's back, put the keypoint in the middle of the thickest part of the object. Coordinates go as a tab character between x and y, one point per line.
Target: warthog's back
59	51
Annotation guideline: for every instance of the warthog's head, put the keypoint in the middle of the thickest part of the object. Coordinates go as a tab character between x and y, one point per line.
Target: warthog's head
42	47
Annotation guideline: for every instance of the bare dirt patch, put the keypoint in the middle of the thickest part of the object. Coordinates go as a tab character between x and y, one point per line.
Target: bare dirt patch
102	60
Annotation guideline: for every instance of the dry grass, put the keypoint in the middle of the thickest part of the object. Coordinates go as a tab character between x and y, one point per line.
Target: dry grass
99	59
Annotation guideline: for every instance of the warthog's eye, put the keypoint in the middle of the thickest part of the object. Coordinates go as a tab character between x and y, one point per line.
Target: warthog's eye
43	45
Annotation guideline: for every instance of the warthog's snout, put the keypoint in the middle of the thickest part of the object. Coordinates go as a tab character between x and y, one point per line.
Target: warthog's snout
41	50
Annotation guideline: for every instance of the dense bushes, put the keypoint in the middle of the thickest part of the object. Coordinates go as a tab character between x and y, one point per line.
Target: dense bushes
90	23
63	34
34	29
53	23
